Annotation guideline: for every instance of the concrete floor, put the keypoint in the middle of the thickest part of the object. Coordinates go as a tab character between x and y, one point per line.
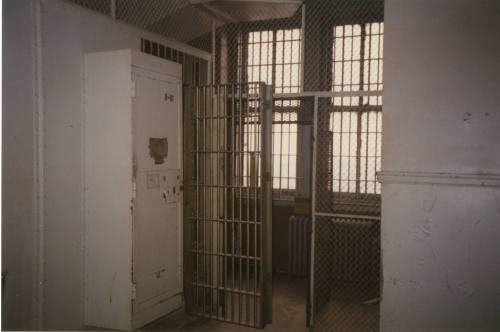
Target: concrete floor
289	300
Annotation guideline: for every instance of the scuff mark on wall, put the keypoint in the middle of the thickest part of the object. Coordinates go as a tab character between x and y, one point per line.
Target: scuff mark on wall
497	199
429	201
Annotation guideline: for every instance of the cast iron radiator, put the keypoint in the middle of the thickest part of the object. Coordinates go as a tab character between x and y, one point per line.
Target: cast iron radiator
299	228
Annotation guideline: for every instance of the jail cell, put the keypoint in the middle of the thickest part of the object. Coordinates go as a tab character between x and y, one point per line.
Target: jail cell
321	59
229	150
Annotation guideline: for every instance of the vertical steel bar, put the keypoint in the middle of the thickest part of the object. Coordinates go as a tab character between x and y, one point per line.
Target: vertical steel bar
340	135
288	147
203	245
266	234
376	150
313	214
248	154
366	150
213	52
197	188
240	198
258	149
217	199
302	46
233	196
280	156
210	200
290	255
224	121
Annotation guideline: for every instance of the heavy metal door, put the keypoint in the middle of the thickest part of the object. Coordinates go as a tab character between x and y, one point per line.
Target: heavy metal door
228	270
157	245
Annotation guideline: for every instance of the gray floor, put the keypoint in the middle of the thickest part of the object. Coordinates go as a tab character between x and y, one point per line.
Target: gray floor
288	310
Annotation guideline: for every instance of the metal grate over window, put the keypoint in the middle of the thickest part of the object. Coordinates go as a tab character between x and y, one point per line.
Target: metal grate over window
356	120
285	127
356	133
357	57
162	51
284	150
273	57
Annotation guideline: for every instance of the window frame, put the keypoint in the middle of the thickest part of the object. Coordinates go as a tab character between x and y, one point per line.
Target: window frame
361	107
242	74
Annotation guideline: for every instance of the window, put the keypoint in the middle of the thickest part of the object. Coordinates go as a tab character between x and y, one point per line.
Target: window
357	57
356	134
251	147
356	121
273	57
284	146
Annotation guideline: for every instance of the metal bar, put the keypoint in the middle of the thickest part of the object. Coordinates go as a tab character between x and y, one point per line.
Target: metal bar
326	94
228	289
224	200
350	216
248	177
214	52
313	205
240	200
211	194
220	254
217	197
266	183
256	208
197	189
201	243
233	194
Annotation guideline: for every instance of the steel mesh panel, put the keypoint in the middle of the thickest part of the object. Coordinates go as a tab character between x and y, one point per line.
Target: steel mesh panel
346	254
101	6
346	275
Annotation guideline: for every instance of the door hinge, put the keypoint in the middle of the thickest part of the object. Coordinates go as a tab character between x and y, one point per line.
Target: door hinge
133	88
134	290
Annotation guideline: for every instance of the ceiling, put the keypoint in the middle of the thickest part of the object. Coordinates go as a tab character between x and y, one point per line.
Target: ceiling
186	20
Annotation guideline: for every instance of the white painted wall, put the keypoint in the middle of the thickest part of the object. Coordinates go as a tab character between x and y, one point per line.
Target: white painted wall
441	242
18	221
67	31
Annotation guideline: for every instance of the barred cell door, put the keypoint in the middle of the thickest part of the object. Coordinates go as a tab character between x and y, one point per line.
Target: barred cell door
228	268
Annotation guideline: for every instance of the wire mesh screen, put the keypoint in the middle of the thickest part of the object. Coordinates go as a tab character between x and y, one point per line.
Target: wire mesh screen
346	236
100	6
226	221
348	156
346	276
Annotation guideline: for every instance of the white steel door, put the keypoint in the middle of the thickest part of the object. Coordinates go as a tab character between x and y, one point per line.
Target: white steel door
157	232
